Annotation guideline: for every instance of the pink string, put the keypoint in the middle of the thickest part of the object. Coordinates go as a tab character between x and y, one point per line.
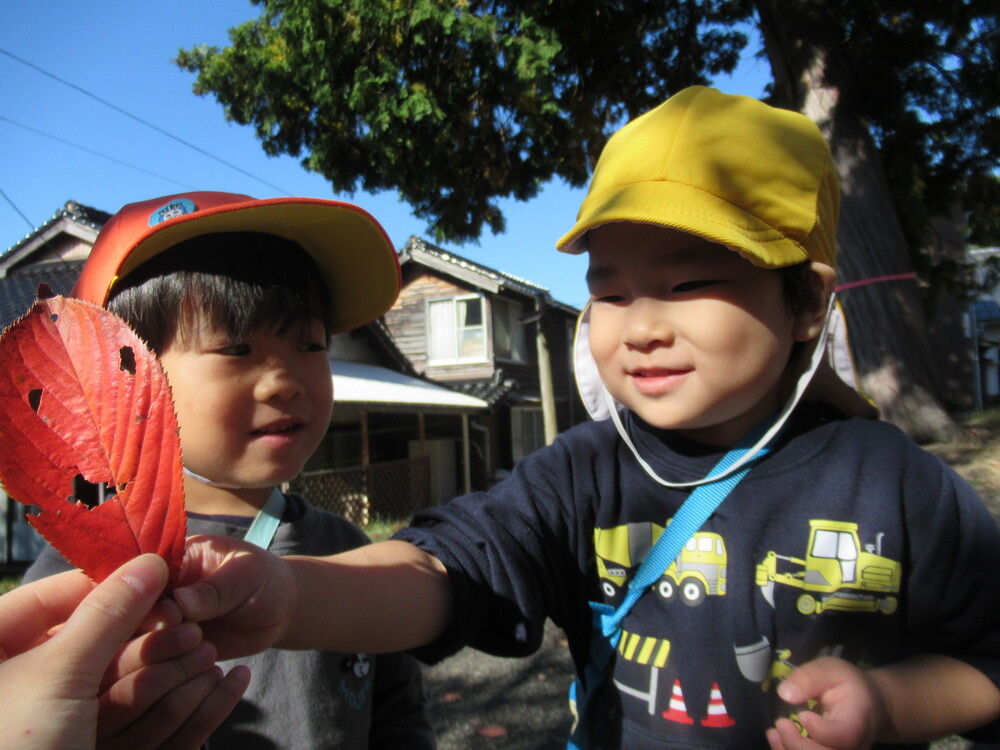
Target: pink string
863	282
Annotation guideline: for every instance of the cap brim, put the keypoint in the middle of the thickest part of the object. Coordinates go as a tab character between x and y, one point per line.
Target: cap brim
354	254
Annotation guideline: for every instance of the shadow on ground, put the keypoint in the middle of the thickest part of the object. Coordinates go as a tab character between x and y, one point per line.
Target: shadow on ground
474	697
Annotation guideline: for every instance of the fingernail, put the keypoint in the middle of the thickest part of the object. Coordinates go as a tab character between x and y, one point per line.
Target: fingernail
204	656
186	599
141	577
789	693
188	635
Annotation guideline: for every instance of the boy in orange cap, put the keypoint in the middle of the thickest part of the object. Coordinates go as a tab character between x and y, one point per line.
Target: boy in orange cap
238	298
844	588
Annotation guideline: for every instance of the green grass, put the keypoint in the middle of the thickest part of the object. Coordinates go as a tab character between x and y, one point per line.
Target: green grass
8	584
380	529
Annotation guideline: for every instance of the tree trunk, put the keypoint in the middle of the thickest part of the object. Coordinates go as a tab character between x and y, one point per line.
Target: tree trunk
886	320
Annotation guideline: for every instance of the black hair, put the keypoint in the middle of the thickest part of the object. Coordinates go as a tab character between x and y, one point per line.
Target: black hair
802	288
240	282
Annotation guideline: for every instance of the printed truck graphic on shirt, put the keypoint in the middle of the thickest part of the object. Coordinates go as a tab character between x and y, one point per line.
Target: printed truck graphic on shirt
698	571
837	573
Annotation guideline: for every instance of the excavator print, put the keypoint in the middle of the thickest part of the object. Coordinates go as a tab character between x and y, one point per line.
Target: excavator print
836	572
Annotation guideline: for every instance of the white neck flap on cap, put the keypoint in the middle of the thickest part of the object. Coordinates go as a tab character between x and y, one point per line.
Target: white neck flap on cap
600	404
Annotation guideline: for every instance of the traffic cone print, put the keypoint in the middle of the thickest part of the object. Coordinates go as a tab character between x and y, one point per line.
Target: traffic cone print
717	715
677	711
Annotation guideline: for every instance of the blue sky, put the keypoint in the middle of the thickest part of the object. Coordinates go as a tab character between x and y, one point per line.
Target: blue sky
59	144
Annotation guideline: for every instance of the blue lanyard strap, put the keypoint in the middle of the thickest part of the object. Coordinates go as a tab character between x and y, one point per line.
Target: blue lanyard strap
694	511
700	504
261	531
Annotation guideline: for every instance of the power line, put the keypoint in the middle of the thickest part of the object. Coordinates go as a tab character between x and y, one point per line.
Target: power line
157	128
92	151
14	206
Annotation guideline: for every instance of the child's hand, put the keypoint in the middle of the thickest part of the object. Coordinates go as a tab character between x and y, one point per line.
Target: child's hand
852	707
242	595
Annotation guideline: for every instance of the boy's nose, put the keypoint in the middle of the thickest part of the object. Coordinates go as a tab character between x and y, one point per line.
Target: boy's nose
278	382
648	323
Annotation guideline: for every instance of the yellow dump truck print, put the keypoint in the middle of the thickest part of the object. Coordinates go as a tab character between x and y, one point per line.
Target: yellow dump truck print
837	573
698	571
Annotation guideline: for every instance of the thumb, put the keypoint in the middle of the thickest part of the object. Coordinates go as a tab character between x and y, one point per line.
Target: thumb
809	681
109	616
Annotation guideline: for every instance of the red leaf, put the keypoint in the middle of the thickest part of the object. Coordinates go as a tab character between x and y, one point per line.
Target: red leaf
80	393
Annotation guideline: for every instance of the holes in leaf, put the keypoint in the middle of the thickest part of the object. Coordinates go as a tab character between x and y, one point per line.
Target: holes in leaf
35	399
126	360
90	494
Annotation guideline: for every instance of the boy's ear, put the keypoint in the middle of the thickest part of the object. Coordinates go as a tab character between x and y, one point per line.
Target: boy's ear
810	322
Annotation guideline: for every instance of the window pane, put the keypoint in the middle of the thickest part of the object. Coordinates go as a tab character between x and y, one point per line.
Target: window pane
527	431
501	329
825	544
847	550
441	330
472	344
516	335
470	312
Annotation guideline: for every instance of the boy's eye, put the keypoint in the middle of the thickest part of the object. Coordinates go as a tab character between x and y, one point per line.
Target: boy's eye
312	346
234	350
691	286
609	299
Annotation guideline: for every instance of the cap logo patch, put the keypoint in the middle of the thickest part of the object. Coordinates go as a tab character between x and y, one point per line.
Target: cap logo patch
175	208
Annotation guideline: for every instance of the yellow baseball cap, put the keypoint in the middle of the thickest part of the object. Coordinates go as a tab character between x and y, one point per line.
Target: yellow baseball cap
736	171
729	168
354	254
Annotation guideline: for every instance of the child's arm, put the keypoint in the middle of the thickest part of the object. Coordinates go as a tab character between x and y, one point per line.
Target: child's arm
380	597
917	700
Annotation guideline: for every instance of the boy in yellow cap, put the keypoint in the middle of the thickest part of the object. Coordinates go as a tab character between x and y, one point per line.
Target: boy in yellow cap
238	297
739	556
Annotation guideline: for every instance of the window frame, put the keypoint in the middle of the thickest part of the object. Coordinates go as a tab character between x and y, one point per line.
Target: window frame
484	325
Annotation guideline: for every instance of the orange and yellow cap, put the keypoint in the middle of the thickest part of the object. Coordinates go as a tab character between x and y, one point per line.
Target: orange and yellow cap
354	254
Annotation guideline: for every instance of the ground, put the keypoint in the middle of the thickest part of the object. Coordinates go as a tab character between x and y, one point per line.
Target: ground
480	701
974	452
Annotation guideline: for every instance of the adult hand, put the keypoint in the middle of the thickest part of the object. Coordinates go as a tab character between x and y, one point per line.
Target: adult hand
55	677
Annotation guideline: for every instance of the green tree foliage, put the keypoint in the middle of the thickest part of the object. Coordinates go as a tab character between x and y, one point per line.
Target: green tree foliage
457	104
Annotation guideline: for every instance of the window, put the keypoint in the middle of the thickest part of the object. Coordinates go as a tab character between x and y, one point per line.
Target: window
527	430
456	330
508	331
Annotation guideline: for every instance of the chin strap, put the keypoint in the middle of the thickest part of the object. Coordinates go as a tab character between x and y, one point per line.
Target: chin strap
265	523
754	452
261	531
209	482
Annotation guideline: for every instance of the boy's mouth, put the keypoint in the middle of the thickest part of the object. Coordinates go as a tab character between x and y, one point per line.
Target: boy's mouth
655	372
278	428
654	381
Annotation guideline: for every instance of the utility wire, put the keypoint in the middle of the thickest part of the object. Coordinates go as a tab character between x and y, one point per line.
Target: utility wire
14	206
92	151
157	128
